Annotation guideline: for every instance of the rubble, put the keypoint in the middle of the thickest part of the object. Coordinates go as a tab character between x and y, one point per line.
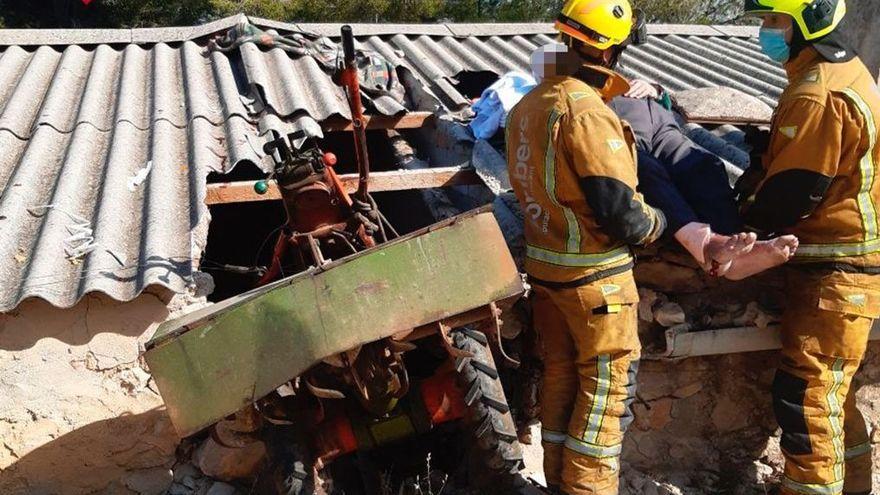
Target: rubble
669	314
228	464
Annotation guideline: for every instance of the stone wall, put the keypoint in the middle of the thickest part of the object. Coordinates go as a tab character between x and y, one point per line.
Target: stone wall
78	413
706	425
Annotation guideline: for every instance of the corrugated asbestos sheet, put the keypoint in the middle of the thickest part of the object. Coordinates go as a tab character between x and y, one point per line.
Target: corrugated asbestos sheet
106	136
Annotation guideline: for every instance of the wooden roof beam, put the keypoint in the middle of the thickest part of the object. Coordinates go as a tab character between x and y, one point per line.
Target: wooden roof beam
411	120
397	180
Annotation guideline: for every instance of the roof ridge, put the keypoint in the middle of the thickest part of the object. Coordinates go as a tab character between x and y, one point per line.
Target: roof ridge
33	37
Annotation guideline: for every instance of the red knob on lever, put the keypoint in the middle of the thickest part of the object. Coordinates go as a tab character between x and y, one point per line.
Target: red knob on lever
329	159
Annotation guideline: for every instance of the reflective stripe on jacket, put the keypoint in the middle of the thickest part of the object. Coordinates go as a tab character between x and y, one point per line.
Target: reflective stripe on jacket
572	166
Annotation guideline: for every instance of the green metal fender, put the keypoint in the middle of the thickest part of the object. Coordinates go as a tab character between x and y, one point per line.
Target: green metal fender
212	362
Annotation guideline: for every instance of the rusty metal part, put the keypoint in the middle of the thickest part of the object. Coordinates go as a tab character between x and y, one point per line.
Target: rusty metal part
239	431
492	328
315	249
399	346
456	321
353	90
379	376
453	351
323	393
312	207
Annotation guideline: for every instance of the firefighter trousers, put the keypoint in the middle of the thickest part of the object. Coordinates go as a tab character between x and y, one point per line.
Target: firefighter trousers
824	335
590	348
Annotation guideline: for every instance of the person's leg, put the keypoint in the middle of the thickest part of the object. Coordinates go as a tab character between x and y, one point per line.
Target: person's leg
703	182
824	334
559	381
659	189
602	318
857	453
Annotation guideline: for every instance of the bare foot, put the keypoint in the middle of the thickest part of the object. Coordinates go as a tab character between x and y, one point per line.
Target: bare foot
764	255
723	249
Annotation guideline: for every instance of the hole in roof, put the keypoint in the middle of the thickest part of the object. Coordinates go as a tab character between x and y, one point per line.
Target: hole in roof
244	234
471	84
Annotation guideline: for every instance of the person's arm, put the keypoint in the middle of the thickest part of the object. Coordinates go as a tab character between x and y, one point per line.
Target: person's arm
803	158
606	170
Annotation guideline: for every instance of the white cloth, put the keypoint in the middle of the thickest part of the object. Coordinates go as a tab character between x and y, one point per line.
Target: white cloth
497	100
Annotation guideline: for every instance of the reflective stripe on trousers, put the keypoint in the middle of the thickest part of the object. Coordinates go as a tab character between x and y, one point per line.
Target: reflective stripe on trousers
600	401
814	404
857	450
579	446
835	488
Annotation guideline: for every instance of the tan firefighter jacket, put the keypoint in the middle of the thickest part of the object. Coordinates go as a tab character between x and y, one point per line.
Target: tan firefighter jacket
821	179
572	165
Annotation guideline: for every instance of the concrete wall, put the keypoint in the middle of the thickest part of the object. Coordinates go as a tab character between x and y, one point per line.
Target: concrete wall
78	414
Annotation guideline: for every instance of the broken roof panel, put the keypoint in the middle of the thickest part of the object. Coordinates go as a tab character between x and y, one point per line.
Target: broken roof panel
107	135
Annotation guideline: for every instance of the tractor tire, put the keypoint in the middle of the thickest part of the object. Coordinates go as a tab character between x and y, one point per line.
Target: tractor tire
494	454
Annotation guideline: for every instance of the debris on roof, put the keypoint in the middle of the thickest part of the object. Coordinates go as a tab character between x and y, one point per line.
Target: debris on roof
721	105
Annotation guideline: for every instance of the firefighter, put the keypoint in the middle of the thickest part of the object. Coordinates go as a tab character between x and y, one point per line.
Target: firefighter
817	181
572	166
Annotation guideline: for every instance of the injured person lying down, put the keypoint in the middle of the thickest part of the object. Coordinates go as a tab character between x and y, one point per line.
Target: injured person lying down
687	183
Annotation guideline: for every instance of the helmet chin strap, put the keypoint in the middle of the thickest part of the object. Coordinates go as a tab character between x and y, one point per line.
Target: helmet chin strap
614	60
608	58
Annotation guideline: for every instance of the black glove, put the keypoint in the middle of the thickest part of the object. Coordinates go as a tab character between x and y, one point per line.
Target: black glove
748	182
758	139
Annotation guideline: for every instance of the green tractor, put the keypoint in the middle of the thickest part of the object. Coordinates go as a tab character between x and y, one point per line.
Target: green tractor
369	371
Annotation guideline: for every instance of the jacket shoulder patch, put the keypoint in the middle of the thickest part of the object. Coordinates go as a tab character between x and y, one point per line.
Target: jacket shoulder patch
811	77
615	144
789	131
578	95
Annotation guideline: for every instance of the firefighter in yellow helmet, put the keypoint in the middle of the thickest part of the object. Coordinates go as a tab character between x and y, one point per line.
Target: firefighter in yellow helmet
572	166
818	180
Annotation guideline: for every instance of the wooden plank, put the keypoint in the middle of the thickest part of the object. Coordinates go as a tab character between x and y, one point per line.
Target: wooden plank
412	120
397	180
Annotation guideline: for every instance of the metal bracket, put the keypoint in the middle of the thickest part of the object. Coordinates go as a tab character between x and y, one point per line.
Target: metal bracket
447	342
495	332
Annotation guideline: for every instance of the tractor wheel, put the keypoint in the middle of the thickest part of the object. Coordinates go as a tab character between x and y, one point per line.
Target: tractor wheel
494	455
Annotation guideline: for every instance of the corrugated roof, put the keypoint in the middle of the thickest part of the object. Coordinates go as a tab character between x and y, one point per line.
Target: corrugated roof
82	112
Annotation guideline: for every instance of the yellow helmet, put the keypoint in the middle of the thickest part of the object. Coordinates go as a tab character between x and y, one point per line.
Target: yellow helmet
598	23
815	18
